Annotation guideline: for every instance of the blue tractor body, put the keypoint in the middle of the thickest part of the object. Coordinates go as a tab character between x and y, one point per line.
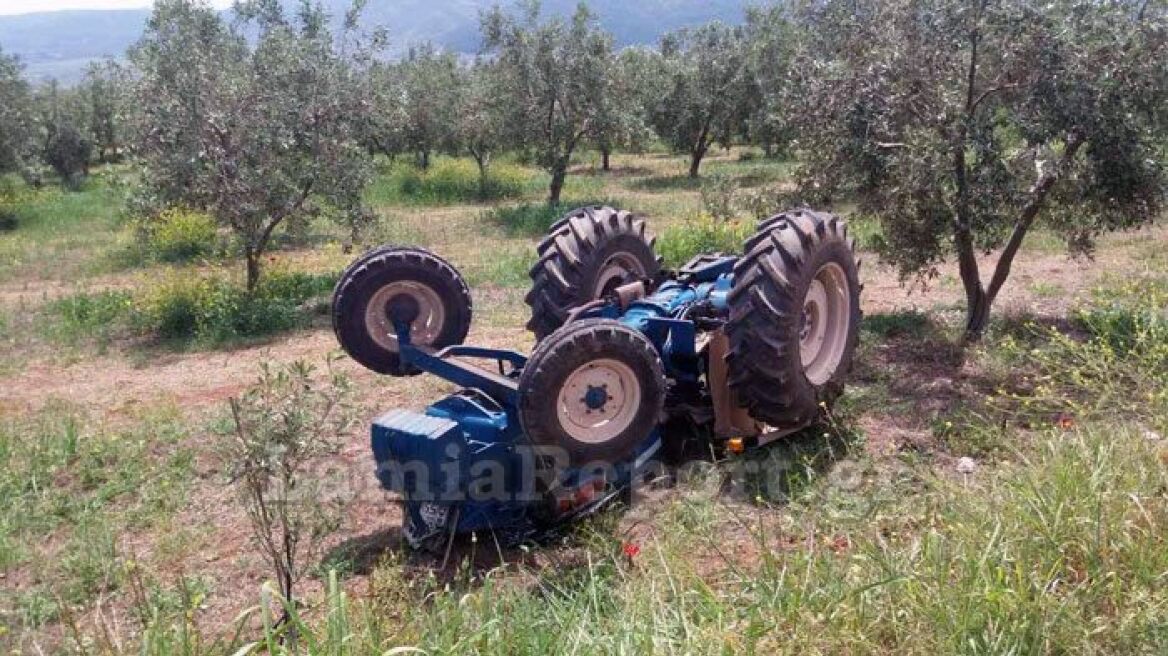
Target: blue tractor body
464	465
632	360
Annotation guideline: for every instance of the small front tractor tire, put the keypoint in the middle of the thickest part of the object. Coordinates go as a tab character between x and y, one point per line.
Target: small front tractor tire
391	280
794	318
594	388
585	256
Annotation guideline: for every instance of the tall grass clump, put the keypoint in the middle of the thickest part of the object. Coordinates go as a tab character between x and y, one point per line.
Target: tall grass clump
448	181
702	234
11	198
535	219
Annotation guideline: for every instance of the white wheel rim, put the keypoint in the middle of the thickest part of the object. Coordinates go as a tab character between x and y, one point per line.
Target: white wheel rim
614	271
588	418
423	331
823	328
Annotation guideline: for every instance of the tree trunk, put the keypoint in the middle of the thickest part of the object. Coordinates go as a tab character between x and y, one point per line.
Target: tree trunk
980	299
604	155
695	162
424	159
977	313
253	267
482	160
559	174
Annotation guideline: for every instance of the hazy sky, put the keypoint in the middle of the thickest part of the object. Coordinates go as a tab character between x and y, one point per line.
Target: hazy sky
26	6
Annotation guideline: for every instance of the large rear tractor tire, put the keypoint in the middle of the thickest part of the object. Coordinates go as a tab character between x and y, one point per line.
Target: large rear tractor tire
407	283
794	318
595	388
585	256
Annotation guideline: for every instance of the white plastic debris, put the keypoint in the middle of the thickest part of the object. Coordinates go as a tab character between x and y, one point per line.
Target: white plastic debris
1152	435
966	465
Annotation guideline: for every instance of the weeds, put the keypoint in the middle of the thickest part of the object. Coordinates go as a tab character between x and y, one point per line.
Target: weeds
535	219
82	316
179	235
1117	368
704	234
448	182
68	489
203	311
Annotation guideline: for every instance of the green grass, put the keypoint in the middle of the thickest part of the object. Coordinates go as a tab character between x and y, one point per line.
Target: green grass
199	311
534	219
681	241
448	181
66	234
1061	552
69	488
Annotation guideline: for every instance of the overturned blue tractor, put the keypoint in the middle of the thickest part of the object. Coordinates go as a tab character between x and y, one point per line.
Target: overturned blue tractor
631	361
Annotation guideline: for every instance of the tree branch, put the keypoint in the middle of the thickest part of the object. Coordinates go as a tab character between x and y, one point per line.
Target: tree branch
284	213
1038	194
989	92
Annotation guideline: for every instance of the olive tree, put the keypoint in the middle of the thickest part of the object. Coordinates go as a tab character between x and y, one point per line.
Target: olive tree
554	73
15	114
257	133
427	82
105	91
382	128
286	422
709	86
620	120
769	38
961	124
480	117
61	117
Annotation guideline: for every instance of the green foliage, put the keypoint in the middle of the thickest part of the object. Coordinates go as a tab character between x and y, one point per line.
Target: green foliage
718	196
550	68
179	235
710	83
256	135
212	310
88	316
910	323
10	202
67	151
16	125
202	311
1116	367
960	126
106	90
449	181
704	234
534	219
284	423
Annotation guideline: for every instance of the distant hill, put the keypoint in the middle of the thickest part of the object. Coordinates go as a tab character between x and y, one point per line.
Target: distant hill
59	44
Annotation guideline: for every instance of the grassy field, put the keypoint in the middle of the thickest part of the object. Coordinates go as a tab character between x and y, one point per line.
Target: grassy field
1008	498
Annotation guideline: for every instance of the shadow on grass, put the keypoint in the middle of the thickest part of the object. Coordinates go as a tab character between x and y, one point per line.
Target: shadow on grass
616	172
913	373
665	183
